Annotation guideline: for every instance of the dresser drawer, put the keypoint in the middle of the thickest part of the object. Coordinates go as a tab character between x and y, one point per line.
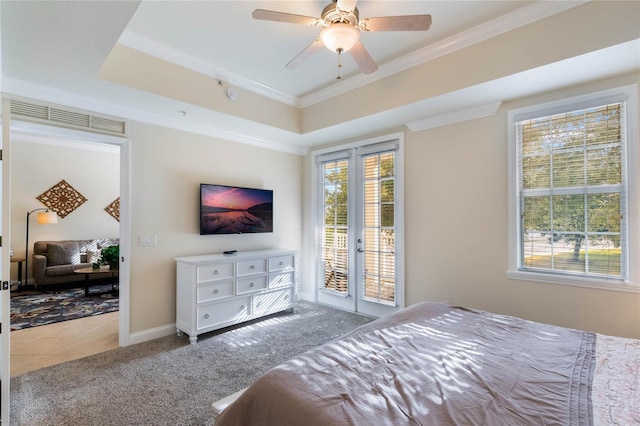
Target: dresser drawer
281	280
281	263
212	272
214	291
251	284
272	301
250	267
218	290
230	311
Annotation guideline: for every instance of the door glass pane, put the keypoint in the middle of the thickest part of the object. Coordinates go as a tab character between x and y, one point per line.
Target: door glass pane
379	228
334	235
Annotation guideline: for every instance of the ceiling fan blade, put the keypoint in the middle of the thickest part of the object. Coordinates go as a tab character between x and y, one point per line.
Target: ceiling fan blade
363	59
272	15
308	51
397	23
347	5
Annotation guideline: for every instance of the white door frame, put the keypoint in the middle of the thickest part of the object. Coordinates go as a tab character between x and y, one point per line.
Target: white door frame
33	131
5	268
348	302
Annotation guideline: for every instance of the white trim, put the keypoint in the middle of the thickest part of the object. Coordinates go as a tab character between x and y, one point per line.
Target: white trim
629	94
152	333
43	133
346	302
487	30
154	48
5	266
350	145
47	94
575	103
511	21
457	116
63	137
576	282
124	319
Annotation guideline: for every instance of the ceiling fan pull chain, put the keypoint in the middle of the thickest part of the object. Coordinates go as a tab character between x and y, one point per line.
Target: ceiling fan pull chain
339	51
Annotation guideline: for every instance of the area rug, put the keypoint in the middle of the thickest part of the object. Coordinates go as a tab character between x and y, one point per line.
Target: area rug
32	309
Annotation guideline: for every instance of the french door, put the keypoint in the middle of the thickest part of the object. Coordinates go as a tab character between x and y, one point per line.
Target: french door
359	257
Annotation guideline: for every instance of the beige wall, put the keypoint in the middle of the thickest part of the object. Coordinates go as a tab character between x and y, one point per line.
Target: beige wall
456	223
36	167
168	166
456	234
585	28
455	177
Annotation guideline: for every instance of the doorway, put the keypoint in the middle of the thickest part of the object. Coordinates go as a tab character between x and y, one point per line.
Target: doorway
359	205
91	172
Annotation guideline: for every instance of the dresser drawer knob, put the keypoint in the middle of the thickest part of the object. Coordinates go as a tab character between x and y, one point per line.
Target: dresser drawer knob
242	308
215	272
251	285
215	291
252	267
281	263
206	316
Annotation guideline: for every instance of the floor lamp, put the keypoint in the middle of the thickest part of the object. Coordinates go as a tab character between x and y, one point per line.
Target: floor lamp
46	216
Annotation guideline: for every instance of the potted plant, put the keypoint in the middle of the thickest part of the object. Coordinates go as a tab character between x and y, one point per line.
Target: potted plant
110	256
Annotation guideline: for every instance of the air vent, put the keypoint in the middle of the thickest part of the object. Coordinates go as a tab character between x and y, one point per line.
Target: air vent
66	118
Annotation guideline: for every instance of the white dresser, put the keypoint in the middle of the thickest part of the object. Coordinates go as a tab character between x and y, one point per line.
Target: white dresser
218	290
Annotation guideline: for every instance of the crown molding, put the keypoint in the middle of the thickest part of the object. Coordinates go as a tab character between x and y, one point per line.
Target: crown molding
503	24
518	18
456	116
25	89
164	52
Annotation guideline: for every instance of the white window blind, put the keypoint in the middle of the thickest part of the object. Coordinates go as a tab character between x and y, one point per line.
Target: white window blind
379	223
572	192
335	206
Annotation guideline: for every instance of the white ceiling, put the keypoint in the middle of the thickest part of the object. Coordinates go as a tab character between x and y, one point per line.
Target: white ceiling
223	34
53	50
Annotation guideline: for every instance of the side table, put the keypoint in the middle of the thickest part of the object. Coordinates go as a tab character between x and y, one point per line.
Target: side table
19	261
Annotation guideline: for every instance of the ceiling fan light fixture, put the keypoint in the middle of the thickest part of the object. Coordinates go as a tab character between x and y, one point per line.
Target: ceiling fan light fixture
340	37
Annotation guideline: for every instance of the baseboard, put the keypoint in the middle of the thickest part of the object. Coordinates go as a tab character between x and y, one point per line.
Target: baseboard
151	334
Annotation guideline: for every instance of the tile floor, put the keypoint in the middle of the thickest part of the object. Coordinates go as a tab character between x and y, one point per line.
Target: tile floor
46	345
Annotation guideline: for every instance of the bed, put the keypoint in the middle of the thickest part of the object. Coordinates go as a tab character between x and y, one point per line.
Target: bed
436	364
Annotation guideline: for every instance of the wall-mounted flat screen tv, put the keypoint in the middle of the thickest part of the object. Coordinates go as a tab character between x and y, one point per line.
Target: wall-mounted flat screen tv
235	210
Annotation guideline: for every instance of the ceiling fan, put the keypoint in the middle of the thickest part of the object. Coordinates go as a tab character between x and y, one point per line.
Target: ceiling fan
342	25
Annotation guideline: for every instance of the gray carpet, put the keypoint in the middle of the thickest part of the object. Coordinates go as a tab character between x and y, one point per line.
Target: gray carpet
167	381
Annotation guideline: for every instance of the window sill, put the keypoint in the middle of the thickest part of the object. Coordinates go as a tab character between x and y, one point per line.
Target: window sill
600	284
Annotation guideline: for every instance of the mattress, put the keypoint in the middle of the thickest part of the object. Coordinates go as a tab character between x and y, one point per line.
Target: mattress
436	364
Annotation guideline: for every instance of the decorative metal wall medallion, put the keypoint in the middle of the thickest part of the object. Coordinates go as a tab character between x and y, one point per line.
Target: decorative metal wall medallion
114	209
62	198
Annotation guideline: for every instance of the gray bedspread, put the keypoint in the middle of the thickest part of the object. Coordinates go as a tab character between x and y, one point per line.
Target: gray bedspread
430	364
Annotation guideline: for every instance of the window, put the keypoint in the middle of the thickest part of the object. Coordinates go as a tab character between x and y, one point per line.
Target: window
571	198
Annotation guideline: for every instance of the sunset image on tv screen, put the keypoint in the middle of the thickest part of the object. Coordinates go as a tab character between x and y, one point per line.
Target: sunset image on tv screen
235	210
